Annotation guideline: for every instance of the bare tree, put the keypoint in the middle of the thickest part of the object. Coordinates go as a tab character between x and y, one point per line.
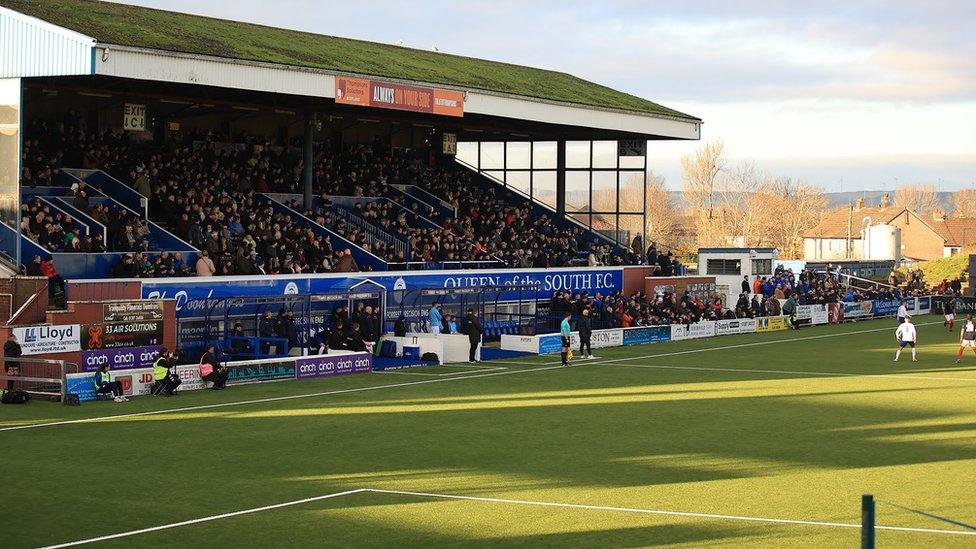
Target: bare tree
964	203
920	198
701	173
798	207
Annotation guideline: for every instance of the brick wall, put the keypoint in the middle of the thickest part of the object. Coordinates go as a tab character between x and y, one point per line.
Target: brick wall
918	239
634	278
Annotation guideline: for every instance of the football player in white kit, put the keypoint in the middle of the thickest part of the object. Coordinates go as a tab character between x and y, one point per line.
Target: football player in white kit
967	337
906	337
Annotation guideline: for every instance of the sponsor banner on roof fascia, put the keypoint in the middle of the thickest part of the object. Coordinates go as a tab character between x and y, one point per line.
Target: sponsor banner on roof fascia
36	340
333	365
203	293
133	311
386	95
135	382
120	359
705	328
736	326
642	335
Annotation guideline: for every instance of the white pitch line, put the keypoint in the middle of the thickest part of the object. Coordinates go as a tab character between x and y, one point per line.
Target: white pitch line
406	372
500	500
270	399
204	519
739	346
669	513
794	372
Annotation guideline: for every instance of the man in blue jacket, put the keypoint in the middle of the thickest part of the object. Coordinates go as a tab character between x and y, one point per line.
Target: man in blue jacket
435	319
104	384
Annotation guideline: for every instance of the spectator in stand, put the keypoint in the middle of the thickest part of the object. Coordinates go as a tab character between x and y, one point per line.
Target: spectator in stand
211	370
55	284
745	284
205	265
346	263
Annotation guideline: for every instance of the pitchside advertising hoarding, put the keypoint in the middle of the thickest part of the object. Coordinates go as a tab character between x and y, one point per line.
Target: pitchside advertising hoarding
859	309
771	324
812	314
333	365
36	340
692	331
737	326
553	343
118	335
647	334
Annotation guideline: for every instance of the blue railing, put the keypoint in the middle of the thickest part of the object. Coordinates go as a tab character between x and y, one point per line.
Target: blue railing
109	186
413	192
93	225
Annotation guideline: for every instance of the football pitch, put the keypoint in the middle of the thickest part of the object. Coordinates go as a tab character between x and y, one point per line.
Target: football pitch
760	440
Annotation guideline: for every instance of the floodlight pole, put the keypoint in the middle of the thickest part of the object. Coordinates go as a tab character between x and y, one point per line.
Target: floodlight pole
867	521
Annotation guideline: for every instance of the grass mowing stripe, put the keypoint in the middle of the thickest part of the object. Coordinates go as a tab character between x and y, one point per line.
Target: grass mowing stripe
204	519
794	372
662	512
741	345
269	399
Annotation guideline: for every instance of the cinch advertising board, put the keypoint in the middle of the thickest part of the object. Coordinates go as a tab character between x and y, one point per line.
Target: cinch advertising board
36	340
124	358
333	365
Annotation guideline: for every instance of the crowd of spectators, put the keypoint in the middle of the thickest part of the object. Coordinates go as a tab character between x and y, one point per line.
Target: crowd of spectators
205	187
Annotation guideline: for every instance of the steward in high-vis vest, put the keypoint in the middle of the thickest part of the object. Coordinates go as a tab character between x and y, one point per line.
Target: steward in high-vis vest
166	382
104	384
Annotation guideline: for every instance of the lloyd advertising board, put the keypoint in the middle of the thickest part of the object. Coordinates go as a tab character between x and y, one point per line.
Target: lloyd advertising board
737	326
333	365
36	340
647	334
553	343
705	328
120	359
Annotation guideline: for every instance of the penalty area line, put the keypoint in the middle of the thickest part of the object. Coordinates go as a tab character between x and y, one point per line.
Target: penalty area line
553	504
204	519
664	512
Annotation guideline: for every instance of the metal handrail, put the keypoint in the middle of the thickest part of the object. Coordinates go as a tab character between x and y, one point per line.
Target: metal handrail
372	232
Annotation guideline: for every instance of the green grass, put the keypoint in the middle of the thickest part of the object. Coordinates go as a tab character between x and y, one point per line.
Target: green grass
736	431
937	269
113	23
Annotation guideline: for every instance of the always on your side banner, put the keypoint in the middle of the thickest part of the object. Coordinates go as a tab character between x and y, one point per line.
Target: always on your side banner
384	95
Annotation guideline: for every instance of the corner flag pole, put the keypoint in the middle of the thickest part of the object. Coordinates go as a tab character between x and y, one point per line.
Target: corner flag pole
867	521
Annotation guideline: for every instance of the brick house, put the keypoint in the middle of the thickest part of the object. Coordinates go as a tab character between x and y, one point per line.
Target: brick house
923	237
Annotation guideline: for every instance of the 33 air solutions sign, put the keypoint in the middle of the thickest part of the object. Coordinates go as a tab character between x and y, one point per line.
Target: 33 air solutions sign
401	97
37	340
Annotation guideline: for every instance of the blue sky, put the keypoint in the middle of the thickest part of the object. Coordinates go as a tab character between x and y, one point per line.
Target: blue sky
848	95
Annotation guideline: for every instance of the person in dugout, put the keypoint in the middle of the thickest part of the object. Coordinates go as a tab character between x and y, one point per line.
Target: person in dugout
166	381
211	370
104	384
